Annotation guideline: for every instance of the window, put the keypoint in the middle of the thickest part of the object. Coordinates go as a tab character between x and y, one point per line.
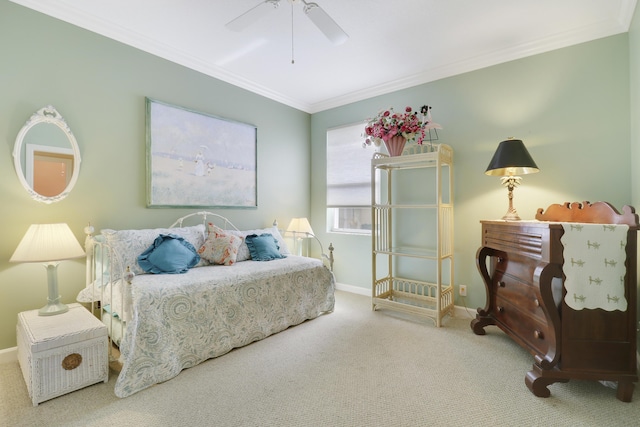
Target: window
348	180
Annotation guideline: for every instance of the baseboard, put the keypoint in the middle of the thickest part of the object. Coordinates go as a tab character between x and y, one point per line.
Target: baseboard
353	289
9	355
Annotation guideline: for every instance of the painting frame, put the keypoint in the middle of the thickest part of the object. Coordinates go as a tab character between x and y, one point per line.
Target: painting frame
198	160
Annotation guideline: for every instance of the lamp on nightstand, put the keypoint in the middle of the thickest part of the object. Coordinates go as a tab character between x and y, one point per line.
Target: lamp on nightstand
301	229
49	244
511	159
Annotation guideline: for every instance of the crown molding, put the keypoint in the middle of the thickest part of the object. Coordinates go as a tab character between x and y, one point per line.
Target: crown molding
486	59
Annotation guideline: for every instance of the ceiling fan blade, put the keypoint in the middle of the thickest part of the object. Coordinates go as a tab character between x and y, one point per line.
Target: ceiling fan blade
325	23
252	15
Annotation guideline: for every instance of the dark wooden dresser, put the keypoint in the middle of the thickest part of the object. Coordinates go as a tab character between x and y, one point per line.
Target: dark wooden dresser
521	263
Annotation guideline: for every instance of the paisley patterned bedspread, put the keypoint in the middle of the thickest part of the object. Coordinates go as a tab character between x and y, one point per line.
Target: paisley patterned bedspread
181	320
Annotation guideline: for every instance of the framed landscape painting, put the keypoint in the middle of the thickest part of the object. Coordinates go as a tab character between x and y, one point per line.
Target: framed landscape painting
198	160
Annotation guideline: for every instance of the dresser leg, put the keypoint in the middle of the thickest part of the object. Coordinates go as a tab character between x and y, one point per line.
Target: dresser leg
538	379
624	392
478	324
537	385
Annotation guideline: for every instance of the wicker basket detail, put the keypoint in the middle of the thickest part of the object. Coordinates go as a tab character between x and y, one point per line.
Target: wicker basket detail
72	361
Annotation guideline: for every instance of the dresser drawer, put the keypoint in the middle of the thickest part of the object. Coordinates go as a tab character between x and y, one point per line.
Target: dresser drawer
517	300
515	265
523	325
513	281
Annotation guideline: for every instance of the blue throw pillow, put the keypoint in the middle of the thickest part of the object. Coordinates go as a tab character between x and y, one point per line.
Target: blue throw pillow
170	254
263	247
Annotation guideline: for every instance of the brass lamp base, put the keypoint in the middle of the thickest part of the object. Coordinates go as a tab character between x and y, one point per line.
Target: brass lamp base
511	182
511	215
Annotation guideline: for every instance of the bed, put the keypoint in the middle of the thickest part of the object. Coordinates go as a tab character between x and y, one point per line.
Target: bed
164	321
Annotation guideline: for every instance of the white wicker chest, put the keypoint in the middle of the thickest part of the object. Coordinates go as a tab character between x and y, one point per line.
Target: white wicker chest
62	353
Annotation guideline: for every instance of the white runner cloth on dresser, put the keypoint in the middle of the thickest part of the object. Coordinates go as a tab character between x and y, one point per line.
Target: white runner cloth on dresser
594	265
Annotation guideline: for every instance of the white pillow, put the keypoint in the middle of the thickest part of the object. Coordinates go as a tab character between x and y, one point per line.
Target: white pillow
129	244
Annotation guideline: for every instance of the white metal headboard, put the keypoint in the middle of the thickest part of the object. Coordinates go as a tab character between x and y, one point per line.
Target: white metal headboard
204	215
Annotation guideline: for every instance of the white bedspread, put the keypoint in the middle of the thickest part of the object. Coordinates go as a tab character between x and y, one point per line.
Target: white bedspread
182	320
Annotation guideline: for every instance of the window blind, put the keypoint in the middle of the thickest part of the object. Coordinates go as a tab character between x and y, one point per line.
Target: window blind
348	167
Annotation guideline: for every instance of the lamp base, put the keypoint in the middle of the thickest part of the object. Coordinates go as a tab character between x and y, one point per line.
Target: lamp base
54	306
511	215
298	246
511	182
52	309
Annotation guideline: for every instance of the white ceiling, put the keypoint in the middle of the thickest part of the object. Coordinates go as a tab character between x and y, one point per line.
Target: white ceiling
392	45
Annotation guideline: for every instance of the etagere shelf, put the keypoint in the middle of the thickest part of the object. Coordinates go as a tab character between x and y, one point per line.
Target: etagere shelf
412	232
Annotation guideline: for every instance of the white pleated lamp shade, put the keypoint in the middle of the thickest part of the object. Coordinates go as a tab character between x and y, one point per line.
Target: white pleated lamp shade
300	225
47	242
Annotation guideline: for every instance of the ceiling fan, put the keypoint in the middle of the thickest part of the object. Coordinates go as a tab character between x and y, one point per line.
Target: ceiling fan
316	14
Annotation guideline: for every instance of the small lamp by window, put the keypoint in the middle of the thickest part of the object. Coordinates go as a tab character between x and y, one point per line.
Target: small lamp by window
511	159
49	244
301	229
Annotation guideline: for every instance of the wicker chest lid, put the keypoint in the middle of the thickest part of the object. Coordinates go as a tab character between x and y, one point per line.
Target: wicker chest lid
47	332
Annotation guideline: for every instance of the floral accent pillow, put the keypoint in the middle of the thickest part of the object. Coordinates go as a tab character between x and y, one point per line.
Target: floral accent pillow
219	247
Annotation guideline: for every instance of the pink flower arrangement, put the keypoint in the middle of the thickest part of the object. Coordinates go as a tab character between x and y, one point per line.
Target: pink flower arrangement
411	125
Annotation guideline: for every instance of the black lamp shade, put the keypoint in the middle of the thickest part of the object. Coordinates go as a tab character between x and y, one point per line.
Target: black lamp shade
511	158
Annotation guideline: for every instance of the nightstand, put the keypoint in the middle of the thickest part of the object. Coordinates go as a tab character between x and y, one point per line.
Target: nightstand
62	353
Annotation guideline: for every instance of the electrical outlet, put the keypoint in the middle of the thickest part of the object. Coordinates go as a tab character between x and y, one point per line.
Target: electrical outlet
462	290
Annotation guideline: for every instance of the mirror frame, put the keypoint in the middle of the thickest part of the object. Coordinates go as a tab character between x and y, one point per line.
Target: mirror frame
49	115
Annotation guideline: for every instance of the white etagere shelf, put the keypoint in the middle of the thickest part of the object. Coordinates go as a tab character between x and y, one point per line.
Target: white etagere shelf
412	232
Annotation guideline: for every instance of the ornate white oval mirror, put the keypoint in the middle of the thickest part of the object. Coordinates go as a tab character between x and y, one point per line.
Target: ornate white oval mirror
46	156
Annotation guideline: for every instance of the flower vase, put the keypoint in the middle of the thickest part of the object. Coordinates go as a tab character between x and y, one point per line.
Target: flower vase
395	145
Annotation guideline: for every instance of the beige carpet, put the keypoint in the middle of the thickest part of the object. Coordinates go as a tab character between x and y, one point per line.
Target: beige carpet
353	367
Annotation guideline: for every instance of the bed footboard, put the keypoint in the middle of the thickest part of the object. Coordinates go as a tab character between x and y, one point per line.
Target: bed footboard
109	300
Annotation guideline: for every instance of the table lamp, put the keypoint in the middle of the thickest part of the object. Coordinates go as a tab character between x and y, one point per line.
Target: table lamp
511	159
49	244
301	229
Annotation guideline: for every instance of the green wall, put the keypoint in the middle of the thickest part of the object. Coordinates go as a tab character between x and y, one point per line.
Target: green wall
634	90
569	106
99	86
634	79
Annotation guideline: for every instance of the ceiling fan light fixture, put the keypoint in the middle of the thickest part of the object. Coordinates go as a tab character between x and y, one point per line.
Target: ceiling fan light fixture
325	23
